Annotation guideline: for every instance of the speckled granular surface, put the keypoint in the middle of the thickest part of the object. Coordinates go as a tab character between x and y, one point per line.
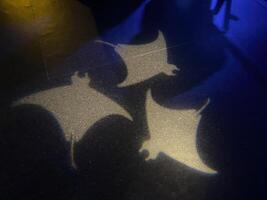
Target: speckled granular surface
152	103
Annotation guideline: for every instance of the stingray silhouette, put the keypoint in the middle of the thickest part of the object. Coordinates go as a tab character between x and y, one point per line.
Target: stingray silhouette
173	132
77	106
145	61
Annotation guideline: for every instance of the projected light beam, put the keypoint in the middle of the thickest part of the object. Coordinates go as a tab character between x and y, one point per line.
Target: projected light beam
173	132
77	107
145	61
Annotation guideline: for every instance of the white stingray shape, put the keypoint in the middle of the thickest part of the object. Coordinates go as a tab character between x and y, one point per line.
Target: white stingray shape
145	61
173	132
77	106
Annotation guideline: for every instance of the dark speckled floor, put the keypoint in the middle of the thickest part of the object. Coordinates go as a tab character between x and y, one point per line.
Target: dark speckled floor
127	100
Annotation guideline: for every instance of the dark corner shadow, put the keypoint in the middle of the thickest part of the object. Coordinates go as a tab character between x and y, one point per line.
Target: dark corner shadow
115	11
106	158
35	161
237	151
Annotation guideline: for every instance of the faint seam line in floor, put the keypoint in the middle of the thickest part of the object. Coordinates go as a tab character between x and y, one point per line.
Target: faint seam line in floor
159	50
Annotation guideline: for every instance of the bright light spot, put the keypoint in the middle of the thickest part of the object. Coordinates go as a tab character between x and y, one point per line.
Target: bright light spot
145	61
77	107
173	132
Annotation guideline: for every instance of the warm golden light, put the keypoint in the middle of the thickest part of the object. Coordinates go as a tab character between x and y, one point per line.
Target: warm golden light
60	27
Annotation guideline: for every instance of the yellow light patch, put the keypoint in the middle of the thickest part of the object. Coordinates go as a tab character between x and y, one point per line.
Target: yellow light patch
61	27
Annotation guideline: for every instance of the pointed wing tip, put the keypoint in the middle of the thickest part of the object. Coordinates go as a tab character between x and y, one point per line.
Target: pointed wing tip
127	82
210	172
128	116
18	102
204	169
122	85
